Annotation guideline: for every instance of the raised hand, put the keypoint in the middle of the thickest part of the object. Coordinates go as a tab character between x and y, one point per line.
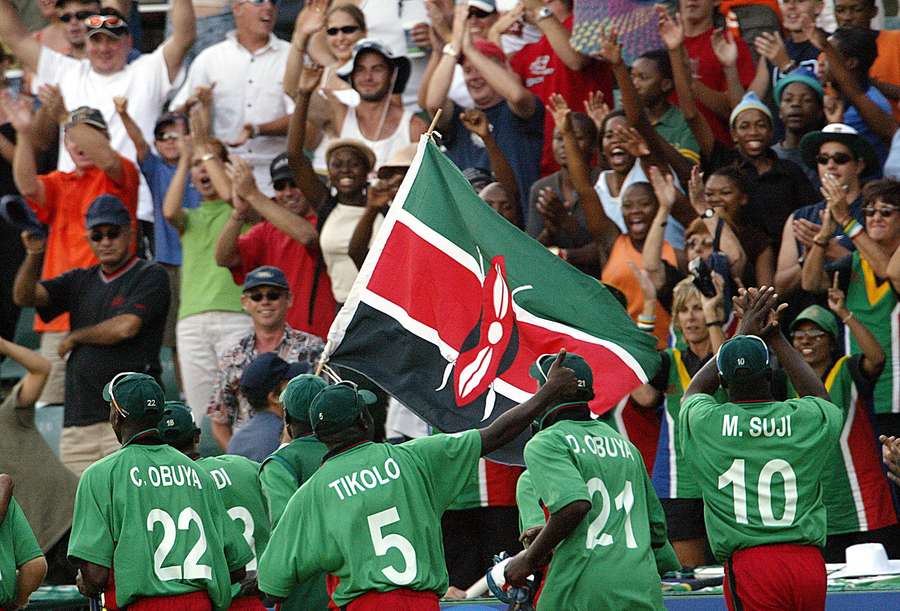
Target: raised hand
243	182
648	289
186	147
561	380
596	108
837	301
808	26
671	29
835	198
696	190
460	18
725	47
439	24
771	46
312	18
310	77
631	141
805	231
52	99
559	109
758	311
551	207
610	48
18	111
204	94
199	123
476	122
34	244
664	187
121	104
713	306
833	106
380	194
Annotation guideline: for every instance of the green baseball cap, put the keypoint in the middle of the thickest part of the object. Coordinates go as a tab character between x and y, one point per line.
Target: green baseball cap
819	316
540	369
336	407
134	395
743	356
298	395
177	423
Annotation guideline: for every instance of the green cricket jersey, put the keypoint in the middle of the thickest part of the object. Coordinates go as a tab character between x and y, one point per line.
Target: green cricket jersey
607	562
874	303
18	545
237	482
759	466
856	493
531	513
280	475
286	469
371	517
156	518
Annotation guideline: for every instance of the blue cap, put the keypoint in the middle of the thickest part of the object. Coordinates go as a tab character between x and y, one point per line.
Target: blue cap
107	209
800	75
266	372
266	275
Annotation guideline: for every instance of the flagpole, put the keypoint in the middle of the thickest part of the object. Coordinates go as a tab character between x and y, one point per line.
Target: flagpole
434	122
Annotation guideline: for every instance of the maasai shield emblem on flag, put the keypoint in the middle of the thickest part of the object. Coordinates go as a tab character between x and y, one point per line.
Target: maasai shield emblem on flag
635	20
453	304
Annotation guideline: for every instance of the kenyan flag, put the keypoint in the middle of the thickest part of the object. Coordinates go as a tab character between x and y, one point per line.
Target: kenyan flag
453	305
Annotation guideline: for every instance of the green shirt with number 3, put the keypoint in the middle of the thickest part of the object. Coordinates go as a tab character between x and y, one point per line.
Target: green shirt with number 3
608	561
152	515
371	517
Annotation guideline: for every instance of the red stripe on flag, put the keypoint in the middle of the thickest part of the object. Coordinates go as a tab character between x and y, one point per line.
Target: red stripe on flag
432	287
873	486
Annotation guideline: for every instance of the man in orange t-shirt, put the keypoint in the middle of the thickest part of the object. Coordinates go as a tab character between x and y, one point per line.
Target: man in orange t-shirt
61	199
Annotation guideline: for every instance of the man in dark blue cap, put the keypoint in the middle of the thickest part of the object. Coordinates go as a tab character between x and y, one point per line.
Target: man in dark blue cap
267	298
261	384
117	311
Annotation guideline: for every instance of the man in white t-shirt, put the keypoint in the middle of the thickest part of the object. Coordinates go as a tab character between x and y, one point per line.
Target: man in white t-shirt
105	74
250	110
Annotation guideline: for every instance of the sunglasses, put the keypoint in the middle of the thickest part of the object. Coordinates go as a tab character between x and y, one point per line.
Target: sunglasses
284	183
112	233
885	213
268	295
811	334
168	136
838	158
344	29
477	13
80	16
110	22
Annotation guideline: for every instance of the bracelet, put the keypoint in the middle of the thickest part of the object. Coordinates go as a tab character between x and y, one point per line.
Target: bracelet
852	228
651	319
715	323
645	327
846	318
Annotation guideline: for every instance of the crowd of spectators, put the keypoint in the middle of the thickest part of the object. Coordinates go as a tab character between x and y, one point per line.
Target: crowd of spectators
218	194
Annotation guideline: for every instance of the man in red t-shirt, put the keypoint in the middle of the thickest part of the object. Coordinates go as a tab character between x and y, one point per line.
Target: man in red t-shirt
61	200
287	238
709	77
551	65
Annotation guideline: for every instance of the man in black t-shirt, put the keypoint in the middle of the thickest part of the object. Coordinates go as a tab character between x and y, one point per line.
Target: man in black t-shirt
118	311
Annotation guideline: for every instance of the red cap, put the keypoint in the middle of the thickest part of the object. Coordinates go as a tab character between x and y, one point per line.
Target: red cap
488	49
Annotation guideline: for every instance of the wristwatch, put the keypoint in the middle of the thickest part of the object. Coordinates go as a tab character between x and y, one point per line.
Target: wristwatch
449	49
544	13
708	213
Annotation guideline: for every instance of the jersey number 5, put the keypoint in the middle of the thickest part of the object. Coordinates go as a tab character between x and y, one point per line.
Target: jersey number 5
735	476
190	568
382	543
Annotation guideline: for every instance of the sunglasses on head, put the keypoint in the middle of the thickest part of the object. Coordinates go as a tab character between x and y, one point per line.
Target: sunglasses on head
838	158
268	295
477	13
168	136
112	233
80	16
284	183
110	22
885	213
810	333
344	29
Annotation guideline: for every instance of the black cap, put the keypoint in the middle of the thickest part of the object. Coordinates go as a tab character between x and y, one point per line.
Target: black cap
280	169
107	209
19	214
266	275
167	119
88	116
266	372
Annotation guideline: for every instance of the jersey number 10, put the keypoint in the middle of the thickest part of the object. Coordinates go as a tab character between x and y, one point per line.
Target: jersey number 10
735	477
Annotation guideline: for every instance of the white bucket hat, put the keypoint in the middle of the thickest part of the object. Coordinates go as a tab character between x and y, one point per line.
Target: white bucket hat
867	559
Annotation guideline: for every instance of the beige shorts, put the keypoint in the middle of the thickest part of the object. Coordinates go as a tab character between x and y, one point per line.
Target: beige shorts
55	389
82	446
